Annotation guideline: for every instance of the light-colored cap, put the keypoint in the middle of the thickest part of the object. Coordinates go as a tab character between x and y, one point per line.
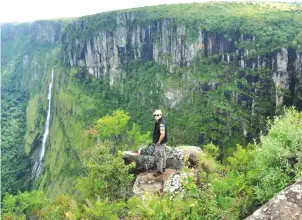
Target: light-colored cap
157	112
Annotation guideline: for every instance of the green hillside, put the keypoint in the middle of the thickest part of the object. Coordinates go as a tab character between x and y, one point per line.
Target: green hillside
217	70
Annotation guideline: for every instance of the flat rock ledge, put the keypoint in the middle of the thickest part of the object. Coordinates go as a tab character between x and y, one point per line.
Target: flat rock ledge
168	182
286	205
145	157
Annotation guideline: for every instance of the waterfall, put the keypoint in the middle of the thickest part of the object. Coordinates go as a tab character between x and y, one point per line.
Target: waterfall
38	164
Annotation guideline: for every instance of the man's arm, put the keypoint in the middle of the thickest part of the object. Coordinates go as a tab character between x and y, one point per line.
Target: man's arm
162	133
161	137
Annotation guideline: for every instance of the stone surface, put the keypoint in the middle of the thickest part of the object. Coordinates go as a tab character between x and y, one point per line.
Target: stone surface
168	182
174	97
164	41
145	158
105	50
281	76
39	31
46	31
191	152
287	205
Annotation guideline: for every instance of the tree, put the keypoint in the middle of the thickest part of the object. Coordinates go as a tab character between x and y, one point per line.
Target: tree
115	131
107	177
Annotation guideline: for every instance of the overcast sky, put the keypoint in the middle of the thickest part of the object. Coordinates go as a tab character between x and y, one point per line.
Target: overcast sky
31	10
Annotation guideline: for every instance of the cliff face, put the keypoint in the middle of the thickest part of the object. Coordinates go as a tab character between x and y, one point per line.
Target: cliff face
173	44
213	79
27	49
163	41
39	31
286	205
46	31
105	52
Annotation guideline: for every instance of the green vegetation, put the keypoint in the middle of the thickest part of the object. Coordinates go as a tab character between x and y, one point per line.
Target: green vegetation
24	66
24	205
273	25
114	129
208	104
107	177
232	190
15	164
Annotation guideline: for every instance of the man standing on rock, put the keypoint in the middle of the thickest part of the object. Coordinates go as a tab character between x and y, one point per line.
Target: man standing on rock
160	137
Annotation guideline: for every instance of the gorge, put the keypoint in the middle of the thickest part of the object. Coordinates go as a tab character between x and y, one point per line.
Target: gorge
217	70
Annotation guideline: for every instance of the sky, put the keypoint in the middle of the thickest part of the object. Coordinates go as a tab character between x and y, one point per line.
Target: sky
31	10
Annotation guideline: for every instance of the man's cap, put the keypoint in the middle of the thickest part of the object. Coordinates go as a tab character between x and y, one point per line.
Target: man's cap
157	112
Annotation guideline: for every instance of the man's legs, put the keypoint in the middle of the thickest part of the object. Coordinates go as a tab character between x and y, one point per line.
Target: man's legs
164	156
160	156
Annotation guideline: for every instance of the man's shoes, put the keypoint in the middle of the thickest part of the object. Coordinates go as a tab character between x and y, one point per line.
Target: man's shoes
164	170
157	173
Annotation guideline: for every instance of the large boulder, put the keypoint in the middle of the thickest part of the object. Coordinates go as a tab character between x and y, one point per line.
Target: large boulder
286	205
191	153
168	182
143	162
145	158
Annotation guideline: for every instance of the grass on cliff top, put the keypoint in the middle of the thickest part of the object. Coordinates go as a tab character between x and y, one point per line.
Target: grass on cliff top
226	8
273	25
212	11
223	15
219	10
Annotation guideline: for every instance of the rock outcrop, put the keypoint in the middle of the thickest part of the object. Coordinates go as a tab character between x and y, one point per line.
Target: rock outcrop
103	51
169	181
286	205
106	50
145	158
39	31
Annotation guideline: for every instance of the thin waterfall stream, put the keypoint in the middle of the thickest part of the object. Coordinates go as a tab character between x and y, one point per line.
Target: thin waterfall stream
39	162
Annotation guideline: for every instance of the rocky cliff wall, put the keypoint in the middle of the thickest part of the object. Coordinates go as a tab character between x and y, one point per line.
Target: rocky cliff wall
105	51
286	205
39	31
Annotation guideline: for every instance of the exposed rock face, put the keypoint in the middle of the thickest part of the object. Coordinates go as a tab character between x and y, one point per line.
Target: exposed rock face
104	50
168	182
46	31
145	159
164	41
191	153
286	205
298	63
174	97
297	81
39	31
280	77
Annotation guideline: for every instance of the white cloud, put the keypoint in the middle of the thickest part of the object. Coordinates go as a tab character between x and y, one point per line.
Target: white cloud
30	10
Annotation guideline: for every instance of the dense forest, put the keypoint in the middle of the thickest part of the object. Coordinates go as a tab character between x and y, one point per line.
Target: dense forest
228	77
232	190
